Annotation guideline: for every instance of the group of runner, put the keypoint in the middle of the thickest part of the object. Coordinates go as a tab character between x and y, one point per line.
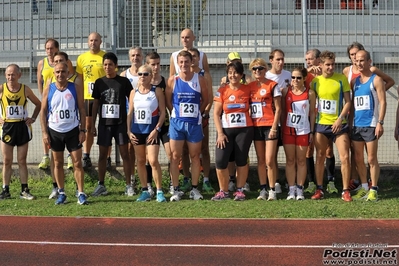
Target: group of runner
139	109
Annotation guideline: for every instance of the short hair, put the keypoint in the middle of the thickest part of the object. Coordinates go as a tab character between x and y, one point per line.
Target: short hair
136	48
258	61
304	71
354	45
195	50
325	55
15	66
146	67
237	66
272	53
368	56
111	56
54	41
315	52
65	55
185	54
152	55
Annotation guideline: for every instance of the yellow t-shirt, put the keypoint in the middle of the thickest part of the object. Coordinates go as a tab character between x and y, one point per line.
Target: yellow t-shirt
330	95
13	104
91	66
47	71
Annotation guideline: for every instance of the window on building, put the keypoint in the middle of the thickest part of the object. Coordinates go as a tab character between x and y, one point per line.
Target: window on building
352	4
312	4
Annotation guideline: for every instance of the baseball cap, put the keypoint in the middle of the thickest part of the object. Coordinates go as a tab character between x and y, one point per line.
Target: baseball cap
233	56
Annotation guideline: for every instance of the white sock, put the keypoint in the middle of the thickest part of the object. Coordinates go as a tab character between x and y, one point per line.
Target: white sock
365	186
206	179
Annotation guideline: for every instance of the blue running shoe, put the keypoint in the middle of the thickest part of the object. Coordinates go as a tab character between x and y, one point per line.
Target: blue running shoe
160	197
82	199
144	196
61	199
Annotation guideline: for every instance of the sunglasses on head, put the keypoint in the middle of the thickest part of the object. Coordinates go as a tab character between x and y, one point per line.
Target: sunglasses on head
145	74
298	78
260	68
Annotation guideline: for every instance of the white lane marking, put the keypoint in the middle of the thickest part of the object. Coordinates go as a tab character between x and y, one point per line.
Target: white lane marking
167	245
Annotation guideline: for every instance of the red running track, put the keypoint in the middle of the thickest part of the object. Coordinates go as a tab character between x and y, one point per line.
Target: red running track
131	241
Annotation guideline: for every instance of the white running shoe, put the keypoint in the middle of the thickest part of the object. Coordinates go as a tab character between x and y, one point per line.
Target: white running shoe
291	193
272	195
299	194
195	194
54	193
100	190
277	188
262	195
232	186
151	191
129	191
246	187
176	195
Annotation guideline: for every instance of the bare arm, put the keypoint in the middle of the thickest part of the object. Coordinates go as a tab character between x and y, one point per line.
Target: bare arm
130	114
96	103
205	64
172	70
168	93
389	82
210	92
221	137
39	76
32	97
82	112
312	113
381	94
204	93
43	118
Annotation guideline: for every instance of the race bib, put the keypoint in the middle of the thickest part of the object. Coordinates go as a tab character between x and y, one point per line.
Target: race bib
63	116
256	110
90	87
188	110
328	106
110	111
236	120
15	112
362	102
142	116
294	120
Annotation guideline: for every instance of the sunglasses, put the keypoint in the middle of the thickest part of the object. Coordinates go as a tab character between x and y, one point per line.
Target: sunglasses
145	74
260	68
298	78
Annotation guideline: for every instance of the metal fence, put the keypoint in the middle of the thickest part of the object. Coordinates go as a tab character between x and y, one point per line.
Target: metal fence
251	27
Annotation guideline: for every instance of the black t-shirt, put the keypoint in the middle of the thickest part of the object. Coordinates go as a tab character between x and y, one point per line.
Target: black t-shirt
113	94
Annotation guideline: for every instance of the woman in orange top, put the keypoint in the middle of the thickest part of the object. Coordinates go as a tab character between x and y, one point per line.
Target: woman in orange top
265	112
234	130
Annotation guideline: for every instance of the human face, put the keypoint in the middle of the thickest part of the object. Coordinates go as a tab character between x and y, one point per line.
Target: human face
109	68
94	42
61	72
12	74
155	65
50	49
277	62
145	76
311	60
187	38
328	67
136	57
195	58
184	63
297	80
233	76
59	59
352	54
361	61
259	71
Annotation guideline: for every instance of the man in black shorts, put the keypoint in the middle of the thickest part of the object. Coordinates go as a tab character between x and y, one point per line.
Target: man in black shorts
110	93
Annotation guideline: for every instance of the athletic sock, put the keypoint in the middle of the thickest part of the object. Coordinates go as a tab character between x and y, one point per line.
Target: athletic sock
365	186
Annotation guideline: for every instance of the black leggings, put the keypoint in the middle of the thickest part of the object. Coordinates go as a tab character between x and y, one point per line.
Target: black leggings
240	140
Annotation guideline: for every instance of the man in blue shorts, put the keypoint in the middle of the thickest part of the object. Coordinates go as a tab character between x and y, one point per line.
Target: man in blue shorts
186	98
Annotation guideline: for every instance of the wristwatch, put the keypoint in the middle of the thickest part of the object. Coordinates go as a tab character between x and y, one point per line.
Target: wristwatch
158	129
83	130
205	116
381	122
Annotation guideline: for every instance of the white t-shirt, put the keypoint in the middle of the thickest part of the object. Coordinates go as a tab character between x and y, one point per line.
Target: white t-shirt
283	79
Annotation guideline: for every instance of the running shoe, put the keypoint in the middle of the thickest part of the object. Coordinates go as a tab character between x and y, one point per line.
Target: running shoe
318	195
151	191
239	196
246	187
272	195
354	186
160	197
277	188
331	188
54	193
262	195
177	194
5	195
144	196
346	196
372	195
311	188
186	186
26	195
82	199
206	187
87	162
291	193
61	199
299	194
129	191
69	162
360	194
100	190
220	196
195	194
45	163
171	189
232	186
